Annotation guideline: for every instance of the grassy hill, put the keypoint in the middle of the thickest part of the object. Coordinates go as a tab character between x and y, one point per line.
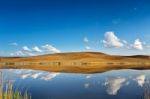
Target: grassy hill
83	62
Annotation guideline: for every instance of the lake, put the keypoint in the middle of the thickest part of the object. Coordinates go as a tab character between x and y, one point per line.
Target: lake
116	84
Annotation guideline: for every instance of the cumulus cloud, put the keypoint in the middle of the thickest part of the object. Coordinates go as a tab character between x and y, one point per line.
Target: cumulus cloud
112	41
26	48
50	48
87	47
138	45
26	51
17	53
114	84
36	49
21	53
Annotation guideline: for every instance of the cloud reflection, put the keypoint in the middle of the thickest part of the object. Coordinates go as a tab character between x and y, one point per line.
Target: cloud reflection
141	80
114	84
88	76
86	85
33	74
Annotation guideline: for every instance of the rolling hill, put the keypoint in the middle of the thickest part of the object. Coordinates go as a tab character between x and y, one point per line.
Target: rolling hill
81	62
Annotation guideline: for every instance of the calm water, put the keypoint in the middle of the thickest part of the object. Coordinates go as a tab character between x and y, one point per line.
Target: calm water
120	84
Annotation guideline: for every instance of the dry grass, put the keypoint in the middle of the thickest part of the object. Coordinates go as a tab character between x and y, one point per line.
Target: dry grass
7	92
83	62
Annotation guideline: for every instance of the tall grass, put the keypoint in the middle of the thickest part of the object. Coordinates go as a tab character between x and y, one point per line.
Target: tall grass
7	92
146	92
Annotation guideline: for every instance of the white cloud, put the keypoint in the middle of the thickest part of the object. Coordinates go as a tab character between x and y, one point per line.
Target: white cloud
141	80
86	40
112	41
50	48
114	84
14	44
36	49
25	48
18	53
45	49
22	53
87	47
138	45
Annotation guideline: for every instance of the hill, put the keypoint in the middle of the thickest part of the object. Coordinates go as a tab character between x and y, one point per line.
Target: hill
83	62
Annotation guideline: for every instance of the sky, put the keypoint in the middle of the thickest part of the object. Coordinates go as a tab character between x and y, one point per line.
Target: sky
34	27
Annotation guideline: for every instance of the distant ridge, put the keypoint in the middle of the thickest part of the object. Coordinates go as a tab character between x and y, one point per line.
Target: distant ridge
139	56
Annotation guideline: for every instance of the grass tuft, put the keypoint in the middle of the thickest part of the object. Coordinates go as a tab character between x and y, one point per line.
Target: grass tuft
7	92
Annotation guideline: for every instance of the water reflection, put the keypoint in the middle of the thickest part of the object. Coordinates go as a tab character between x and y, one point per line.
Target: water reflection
24	74
119	84
141	80
114	84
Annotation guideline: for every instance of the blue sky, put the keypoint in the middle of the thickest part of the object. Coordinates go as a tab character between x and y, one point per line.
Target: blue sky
31	27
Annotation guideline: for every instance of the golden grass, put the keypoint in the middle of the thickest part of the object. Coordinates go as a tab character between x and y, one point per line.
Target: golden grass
9	93
82	62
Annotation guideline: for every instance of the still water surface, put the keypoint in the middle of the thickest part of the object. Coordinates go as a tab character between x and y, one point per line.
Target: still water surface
117	84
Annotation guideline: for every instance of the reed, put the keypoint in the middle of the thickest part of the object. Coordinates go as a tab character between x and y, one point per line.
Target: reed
7	92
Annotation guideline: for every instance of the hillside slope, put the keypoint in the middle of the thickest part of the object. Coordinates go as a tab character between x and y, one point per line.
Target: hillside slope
77	56
83	62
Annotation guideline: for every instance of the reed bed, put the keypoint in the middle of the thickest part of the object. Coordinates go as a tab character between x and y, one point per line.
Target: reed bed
7	92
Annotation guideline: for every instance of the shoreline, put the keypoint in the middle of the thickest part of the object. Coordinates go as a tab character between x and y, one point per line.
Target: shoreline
88	68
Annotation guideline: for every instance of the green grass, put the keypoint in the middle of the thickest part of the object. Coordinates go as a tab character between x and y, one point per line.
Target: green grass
9	93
